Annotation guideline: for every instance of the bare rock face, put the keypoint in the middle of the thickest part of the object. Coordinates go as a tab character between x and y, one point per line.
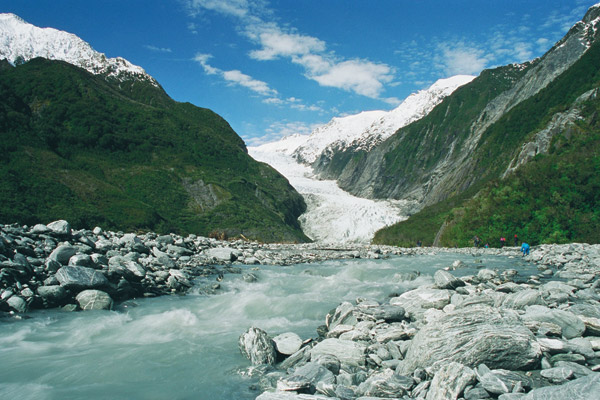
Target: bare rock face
472	336
258	347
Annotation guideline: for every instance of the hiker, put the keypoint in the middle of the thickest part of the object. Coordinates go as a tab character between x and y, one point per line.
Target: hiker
525	249
516	241
502	241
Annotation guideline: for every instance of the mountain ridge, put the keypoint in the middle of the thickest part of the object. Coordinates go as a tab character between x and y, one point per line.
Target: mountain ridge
111	148
22	42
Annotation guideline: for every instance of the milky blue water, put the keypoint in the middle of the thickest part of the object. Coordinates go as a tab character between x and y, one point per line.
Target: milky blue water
185	347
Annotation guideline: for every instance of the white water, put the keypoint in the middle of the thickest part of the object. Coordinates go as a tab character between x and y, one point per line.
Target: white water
186	347
333	215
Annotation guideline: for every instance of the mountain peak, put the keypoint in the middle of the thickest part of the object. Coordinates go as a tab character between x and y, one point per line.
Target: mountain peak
22	41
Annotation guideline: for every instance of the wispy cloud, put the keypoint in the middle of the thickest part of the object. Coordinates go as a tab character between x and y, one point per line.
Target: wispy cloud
360	76
158	49
235	77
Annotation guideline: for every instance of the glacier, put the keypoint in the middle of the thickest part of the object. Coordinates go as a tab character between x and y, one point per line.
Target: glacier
333	215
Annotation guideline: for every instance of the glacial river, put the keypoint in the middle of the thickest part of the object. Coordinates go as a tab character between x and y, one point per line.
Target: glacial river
185	347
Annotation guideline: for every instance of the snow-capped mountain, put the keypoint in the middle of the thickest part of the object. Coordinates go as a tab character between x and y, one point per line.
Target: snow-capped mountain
366	129
21	41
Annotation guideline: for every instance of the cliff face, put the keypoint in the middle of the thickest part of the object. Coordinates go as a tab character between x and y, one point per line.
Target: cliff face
474	134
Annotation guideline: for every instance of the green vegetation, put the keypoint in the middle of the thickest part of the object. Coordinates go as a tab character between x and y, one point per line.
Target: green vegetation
554	198
124	156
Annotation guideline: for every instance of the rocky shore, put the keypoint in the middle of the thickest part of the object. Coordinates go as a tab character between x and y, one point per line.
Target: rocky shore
486	336
48	266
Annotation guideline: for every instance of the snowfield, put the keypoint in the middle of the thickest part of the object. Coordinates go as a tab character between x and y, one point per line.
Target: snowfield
333	215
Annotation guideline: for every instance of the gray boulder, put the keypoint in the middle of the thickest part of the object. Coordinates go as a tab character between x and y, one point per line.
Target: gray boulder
307	377
287	343
60	227
472	336
222	254
571	325
348	352
257	346
94	300
52	294
450	381
445	280
17	303
79	278
63	253
586	388
417	301
523	298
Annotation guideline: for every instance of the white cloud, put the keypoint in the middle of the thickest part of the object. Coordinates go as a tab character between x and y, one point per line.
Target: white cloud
462	59
362	77
235	77
279	44
239	78
359	76
158	49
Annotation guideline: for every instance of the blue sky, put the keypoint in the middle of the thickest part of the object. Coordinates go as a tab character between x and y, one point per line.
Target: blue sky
277	67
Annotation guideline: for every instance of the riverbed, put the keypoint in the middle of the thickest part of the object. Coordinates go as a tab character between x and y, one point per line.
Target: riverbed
185	347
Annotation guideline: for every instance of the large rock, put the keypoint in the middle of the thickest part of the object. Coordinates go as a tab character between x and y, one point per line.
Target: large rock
257	346
417	301
450	381
347	351
79	278
52	294
287	343
17	303
60	227
571	325
343	315
94	300
222	254
472	336
445	280
63	253
522	298
586	388
306	378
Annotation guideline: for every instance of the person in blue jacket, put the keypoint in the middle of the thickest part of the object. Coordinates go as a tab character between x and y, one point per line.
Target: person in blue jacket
525	249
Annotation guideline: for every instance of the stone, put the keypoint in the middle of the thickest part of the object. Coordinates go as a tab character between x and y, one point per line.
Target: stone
309	376
63	253
221	254
571	325
472	336
557	374
384	384
290	396
445	280
79	278
60	227
388	313
17	303
257	346
417	301
81	260
348	352
523	298
287	343
486	275
343	315
94	300
586	388
53	294
450	381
